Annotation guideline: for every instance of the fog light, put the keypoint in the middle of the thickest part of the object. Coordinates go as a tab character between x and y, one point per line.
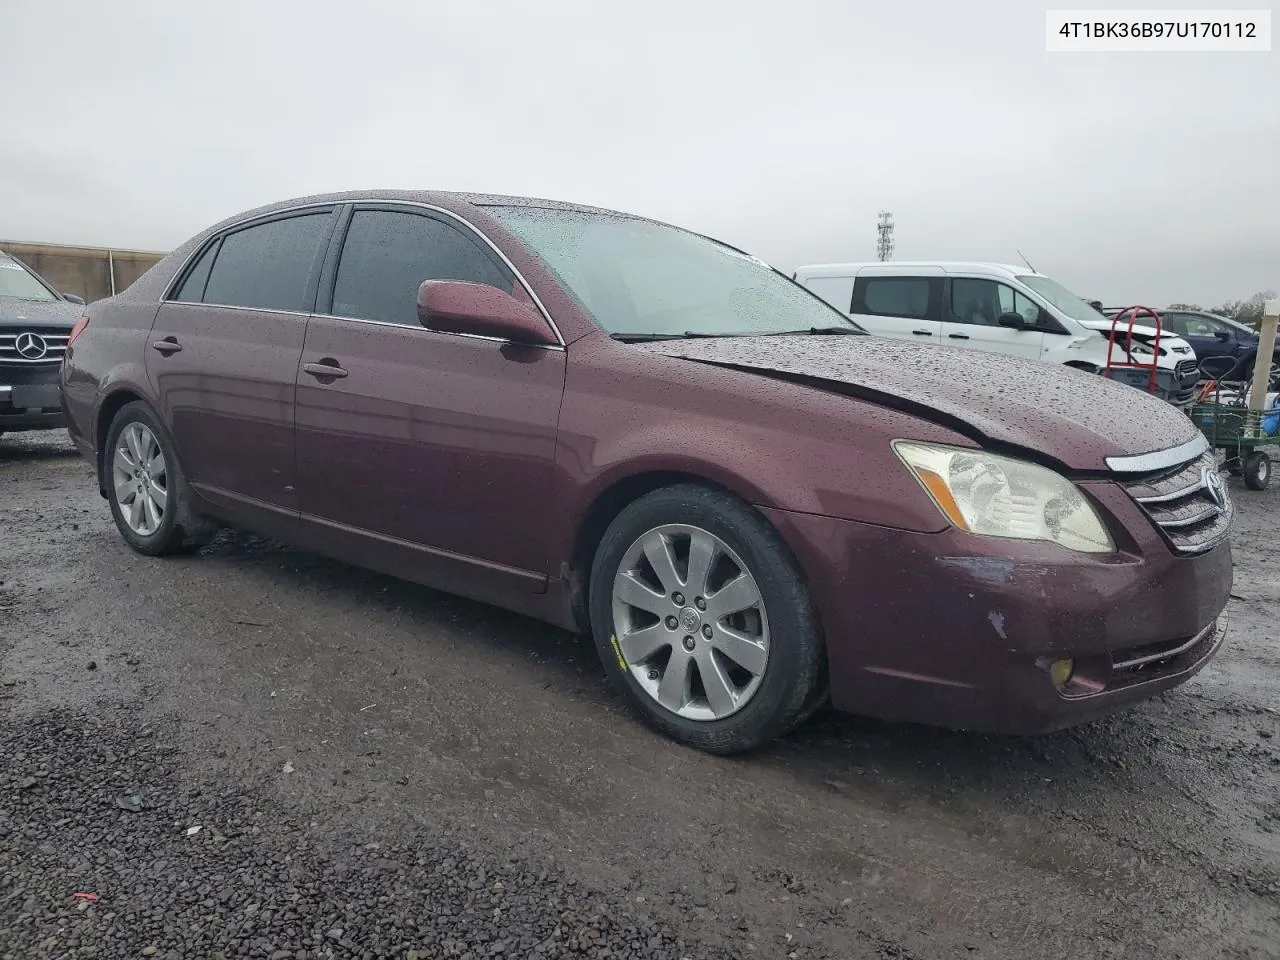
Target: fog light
1060	672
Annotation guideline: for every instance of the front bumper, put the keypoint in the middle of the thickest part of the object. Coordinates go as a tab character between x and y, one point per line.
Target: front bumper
30	405
958	631
1177	387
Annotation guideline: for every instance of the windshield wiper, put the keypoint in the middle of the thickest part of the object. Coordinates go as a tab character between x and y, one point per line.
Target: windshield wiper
687	335
816	331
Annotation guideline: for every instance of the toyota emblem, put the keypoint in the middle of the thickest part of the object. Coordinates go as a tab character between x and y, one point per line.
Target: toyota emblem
1214	486
30	346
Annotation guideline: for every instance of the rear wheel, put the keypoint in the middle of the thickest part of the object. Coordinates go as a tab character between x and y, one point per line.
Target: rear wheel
702	620
150	500
1257	470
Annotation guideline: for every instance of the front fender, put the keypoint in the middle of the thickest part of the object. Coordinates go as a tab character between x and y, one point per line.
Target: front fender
775	444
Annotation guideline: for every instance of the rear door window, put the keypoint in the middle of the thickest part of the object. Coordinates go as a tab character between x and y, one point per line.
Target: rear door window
269	266
388	254
894	297
192	289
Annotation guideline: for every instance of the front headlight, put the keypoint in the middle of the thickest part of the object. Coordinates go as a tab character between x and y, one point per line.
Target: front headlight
996	496
1144	349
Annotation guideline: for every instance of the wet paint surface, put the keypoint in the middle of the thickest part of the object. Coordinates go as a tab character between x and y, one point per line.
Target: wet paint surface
1073	417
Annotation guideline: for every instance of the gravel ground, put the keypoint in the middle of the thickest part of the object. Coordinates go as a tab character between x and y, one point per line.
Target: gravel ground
255	752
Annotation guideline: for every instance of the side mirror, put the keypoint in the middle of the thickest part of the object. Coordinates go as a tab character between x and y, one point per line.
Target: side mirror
1015	320
1222	335
72	298
454	306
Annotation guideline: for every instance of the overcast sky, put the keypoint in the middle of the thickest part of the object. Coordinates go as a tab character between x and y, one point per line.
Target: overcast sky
779	127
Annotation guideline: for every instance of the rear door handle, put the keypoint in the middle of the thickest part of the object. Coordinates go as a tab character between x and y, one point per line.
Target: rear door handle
922	333
325	370
167	346
958	336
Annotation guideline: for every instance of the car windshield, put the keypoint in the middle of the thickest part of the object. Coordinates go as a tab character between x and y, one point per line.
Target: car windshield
15	281
644	279
1062	299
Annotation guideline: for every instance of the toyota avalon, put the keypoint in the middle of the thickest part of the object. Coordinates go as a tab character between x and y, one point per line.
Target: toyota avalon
632	430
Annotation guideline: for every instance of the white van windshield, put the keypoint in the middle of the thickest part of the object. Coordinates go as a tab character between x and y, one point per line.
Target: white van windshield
1062	299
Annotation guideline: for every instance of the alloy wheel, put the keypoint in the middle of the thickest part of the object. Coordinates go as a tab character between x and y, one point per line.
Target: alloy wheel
141	480
690	622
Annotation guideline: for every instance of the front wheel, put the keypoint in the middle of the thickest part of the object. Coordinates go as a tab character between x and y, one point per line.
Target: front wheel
150	500
1257	470
703	621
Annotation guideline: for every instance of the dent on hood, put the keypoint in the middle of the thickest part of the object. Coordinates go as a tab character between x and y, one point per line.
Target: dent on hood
1068	416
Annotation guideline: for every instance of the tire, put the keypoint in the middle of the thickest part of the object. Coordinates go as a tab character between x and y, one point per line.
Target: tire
1083	367
171	525
1257	470
784	680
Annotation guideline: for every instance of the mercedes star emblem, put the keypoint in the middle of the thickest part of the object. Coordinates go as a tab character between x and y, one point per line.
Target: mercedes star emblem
30	346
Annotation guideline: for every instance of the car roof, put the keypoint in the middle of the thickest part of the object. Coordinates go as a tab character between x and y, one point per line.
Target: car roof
453	201
936	267
449	200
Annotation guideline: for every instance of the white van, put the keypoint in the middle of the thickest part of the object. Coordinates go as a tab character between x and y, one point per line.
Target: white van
990	306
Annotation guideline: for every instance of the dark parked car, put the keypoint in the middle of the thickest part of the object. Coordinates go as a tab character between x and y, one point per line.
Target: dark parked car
626	428
35	321
1215	336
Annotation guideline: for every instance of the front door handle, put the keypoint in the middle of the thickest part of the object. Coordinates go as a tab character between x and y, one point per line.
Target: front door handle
958	336
167	346
324	370
922	333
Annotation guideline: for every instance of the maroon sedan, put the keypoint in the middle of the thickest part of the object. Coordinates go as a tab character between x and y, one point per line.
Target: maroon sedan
629	429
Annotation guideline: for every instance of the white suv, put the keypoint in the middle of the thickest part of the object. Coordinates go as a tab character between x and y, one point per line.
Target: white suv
994	307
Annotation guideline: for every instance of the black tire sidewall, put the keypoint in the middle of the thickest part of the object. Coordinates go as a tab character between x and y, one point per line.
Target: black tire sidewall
793	676
169	536
1257	471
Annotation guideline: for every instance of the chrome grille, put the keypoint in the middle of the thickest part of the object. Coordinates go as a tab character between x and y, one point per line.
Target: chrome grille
1182	504
1188	371
19	345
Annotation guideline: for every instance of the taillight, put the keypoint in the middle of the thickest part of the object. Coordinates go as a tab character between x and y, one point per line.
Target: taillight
77	330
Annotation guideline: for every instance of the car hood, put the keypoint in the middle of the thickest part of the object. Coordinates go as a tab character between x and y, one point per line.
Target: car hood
1073	417
58	314
1140	331
1122	327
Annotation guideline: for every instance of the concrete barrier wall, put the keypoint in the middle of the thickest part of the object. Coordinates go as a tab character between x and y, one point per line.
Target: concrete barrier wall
88	272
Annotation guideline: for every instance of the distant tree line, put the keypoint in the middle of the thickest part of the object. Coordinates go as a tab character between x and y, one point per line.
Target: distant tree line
1245	311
